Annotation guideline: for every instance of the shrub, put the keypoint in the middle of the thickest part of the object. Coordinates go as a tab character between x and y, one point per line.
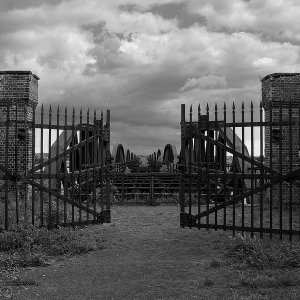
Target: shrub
261	254
33	246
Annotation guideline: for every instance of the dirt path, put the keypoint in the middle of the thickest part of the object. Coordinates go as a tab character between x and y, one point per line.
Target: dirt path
147	256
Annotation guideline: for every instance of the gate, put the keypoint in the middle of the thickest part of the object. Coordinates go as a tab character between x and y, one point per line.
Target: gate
241	171
66	181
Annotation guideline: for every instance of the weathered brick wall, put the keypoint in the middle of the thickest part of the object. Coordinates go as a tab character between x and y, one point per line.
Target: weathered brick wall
18	99
284	87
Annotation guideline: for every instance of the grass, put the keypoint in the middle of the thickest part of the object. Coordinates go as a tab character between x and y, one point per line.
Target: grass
259	281
32	246
208	282
215	264
262	254
264	266
149	257
38	208
22	247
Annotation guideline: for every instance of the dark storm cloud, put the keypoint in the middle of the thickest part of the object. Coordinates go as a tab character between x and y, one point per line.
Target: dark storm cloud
142	59
179	12
129	7
7	5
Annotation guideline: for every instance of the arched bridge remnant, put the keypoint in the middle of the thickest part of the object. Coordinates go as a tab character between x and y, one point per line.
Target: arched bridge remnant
119	154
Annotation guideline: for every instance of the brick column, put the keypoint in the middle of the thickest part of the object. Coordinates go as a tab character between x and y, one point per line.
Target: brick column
18	96
284	87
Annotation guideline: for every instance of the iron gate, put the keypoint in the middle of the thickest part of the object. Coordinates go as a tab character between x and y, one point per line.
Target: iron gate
226	186
67	181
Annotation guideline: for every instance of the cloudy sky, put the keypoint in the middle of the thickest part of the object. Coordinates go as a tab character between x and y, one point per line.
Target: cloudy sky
142	59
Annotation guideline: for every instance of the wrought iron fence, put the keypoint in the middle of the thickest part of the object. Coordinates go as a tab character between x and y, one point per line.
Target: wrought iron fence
54	167
247	166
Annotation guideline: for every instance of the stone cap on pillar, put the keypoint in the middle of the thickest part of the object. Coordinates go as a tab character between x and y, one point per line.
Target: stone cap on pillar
21	86
281	88
276	75
19	73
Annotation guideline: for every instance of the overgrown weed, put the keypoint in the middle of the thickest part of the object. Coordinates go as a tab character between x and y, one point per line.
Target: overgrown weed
262	254
32	246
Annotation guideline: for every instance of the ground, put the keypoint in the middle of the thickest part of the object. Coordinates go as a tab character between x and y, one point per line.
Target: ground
148	256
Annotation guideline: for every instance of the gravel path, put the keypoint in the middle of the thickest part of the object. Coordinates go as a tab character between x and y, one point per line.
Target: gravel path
147	256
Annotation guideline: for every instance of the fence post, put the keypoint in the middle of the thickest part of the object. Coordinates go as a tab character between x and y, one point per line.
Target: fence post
18	100
151	190
281	100
182	168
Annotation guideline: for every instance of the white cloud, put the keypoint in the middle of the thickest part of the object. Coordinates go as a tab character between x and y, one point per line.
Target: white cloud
204	82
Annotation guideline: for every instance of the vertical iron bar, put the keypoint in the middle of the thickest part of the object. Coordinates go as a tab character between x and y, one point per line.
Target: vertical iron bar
216	168
243	167
107	153
208	155
50	168
182	167
225	166
122	192
190	159
151	190
74	163
58	183
32	165
65	166
252	175
80	164
87	162
199	165
234	167
101	160
41	170
95	161
261	159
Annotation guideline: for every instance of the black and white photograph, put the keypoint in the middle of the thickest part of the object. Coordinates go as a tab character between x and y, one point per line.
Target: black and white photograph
149	149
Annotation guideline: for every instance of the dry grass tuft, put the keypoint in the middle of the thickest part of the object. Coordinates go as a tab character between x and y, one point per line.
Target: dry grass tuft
263	254
32	246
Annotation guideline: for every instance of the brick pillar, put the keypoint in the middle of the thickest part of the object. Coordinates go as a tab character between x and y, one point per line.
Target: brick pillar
19	94
283	87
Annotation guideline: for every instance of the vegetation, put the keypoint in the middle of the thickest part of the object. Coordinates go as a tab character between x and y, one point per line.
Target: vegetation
32	246
262	254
